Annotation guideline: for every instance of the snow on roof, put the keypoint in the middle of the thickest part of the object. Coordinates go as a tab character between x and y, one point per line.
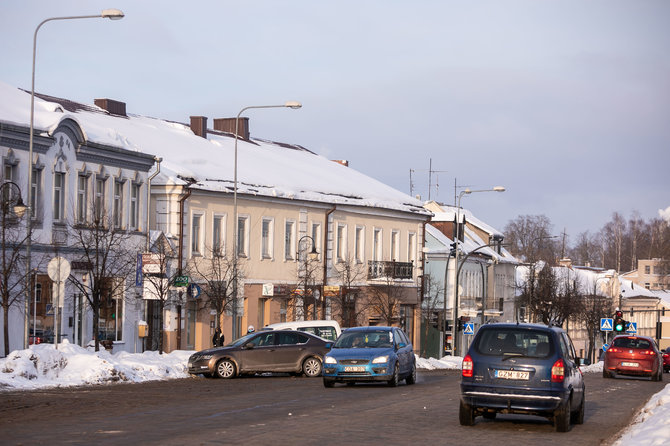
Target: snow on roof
471	242
449	215
264	168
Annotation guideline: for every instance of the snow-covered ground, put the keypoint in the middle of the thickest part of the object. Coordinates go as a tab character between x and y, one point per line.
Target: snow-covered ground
44	366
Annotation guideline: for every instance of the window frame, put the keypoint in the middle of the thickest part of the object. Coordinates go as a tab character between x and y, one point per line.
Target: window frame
119	189
289	239
196	233
267	240
59	197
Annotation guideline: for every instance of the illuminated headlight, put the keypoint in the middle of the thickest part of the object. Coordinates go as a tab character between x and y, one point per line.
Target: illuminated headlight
380	360
330	360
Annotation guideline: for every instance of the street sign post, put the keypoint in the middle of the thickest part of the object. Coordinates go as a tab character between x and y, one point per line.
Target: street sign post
58	270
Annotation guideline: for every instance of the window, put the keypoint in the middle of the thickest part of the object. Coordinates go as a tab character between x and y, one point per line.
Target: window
411	247
289	239
316	236
647	269
111	313
82	195
8	176
242	236
36	191
217	235
196	234
118	204
38	292
341	247
134	206
59	197
99	203
359	248
266	238
377	245
395	246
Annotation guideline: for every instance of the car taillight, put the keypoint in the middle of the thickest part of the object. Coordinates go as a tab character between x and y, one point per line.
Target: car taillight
614	350
558	371
467	366
648	353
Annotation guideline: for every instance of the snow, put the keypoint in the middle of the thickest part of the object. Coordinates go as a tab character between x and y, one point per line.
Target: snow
43	366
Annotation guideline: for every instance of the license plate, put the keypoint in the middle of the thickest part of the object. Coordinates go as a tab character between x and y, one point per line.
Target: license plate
354	369
512	374
630	364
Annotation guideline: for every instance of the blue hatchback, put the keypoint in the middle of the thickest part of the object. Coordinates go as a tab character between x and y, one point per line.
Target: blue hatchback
370	354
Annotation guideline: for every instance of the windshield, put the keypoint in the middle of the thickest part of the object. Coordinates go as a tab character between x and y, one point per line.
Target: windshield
514	342
241	340
365	339
631	342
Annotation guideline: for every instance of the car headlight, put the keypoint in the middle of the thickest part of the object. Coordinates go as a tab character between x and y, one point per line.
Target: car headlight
208	357
330	360
380	360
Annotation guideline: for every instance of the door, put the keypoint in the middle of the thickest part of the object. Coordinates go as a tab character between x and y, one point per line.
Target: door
259	355
291	349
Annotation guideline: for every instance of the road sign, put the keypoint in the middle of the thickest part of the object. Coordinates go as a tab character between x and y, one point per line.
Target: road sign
469	328
194	290
181	281
58	269
606	324
605	347
632	327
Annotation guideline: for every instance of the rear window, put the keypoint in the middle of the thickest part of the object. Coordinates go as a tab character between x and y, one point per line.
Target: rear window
510	341
631	343
328	333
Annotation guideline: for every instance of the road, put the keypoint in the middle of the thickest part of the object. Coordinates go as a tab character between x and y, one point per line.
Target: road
285	410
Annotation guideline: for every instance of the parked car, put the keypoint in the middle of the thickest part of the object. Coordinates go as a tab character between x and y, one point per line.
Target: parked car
526	369
633	355
326	329
265	351
666	360
370	354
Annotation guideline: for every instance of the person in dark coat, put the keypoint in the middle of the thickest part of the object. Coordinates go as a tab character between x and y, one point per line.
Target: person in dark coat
217	339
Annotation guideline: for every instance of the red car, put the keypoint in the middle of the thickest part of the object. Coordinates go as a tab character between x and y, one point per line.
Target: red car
633	355
666	360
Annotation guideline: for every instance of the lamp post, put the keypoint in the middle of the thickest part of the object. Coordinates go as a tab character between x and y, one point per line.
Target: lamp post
112	14
454	330
289	104
312	255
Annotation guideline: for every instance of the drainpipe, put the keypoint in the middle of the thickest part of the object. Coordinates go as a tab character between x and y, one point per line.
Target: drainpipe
325	261
180	261
153	175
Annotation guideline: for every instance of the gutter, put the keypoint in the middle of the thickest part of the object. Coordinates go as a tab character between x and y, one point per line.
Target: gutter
153	175
325	261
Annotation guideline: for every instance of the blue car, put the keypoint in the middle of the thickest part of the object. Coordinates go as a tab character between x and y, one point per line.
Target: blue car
364	354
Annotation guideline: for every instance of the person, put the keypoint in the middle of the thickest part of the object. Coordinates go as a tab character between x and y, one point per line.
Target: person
217	340
250	329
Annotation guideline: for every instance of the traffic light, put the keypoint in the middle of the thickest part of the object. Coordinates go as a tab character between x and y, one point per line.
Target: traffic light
619	323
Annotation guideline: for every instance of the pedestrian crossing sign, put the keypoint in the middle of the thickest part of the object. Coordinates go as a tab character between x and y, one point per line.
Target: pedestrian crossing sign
606	324
469	328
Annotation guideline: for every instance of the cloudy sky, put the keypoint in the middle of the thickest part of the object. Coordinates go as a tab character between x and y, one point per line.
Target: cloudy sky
565	103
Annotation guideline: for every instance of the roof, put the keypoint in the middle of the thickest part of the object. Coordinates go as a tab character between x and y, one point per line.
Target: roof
264	168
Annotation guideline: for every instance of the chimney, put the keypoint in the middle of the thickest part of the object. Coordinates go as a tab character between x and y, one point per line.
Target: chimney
228	125
345	163
117	108
565	262
199	126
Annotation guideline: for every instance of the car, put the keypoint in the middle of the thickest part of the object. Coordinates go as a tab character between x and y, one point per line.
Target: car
528	369
266	351
327	329
370	354
666	360
634	356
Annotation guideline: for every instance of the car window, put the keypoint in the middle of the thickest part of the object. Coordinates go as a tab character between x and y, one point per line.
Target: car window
263	339
566	347
365	339
291	338
403	337
324	332
631	343
511	341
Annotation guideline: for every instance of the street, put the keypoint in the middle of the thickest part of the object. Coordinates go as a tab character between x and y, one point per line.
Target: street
296	410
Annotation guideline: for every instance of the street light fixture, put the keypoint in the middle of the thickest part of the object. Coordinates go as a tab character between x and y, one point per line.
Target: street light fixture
454	329
290	104
312	255
112	14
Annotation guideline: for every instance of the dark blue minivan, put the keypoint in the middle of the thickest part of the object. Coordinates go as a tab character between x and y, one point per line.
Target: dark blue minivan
522	369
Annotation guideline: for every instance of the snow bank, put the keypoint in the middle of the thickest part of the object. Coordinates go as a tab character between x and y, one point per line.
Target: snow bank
652	425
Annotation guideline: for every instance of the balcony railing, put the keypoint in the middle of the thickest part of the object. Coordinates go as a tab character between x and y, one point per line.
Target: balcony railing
378	269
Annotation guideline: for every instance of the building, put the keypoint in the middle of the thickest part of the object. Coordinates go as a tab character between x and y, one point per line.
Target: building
652	274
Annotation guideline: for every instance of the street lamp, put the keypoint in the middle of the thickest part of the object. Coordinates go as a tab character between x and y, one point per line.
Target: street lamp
112	14
312	255
454	329
289	104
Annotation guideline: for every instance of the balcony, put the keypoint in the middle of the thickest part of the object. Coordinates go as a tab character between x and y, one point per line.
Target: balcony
378	269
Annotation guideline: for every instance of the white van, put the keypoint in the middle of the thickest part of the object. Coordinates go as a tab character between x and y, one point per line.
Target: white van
329	330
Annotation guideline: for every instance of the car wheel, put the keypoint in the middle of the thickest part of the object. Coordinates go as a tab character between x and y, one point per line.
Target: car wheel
606	374
225	369
396	376
577	417
466	414
328	383
411	378
311	367
562	417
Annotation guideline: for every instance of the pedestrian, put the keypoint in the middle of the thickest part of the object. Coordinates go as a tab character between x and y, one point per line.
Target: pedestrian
250	329
217	339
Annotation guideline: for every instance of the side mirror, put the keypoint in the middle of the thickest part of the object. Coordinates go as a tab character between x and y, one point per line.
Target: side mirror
329	345
400	345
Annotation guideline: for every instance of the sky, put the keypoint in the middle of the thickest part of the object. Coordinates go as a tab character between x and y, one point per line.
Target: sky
564	103
43	366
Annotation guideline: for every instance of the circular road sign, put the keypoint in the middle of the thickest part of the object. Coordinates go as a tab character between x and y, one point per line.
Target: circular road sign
58	269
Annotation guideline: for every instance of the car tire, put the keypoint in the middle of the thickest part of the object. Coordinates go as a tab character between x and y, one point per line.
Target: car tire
225	369
562	417
328	383
395	378
311	367
466	414
411	378
606	374
577	417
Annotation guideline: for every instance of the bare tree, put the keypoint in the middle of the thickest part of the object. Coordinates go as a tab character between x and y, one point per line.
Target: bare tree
528	238
432	307
594	307
349	307
384	301
303	303
109	255
547	299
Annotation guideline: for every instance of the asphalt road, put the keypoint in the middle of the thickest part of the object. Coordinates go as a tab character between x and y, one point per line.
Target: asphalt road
284	410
